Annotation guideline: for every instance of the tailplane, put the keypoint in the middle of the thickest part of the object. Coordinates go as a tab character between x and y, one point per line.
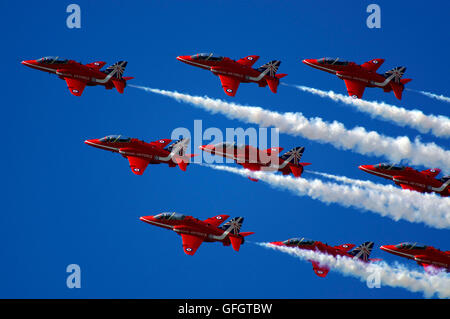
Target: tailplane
362	252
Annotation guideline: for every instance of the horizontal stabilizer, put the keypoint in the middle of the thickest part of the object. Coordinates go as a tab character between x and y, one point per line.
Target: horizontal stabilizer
296	170
236	242
119	85
273	84
247	233
182	164
281	75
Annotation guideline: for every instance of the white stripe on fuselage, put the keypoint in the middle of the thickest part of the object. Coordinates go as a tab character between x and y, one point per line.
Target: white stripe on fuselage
40	67
103	146
198	64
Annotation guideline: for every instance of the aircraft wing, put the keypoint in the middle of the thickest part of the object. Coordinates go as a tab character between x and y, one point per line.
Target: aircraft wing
229	84
404	186
372	65
320	271
75	86
355	88
161	143
216	220
137	164
191	243
248	60
96	65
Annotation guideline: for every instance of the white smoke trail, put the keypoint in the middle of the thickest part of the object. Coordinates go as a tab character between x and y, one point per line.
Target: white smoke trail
357	139
432	95
358	182
437	125
387	201
393	276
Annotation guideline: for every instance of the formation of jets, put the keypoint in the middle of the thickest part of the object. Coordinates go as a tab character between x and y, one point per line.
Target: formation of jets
231	73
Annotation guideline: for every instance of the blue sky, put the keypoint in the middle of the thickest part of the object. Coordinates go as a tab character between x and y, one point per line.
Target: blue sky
66	203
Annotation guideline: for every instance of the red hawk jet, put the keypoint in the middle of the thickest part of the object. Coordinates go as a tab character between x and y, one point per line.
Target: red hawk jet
361	252
140	153
260	160
358	77
194	231
409	178
78	75
425	256
231	73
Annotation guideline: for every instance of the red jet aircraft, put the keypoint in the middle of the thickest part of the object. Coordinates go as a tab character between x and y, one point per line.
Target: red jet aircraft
361	252
194	231
409	178
425	256
77	75
232	73
140	153
358	77
258	160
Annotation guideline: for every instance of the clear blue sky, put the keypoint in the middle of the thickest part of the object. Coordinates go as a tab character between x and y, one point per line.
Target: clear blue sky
64	202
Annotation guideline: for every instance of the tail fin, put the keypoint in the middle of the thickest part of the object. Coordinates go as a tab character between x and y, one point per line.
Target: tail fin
363	251
270	68
178	146
396	82
116	69
233	225
294	155
395	74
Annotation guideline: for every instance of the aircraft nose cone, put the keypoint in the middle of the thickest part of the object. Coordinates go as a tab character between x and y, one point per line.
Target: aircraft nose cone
28	62
366	167
146	219
91	142
183	58
387	247
310	61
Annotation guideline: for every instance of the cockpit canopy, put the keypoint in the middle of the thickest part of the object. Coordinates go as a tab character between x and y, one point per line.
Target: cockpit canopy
169	216
52	60
299	241
332	61
206	57
410	246
390	167
115	139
